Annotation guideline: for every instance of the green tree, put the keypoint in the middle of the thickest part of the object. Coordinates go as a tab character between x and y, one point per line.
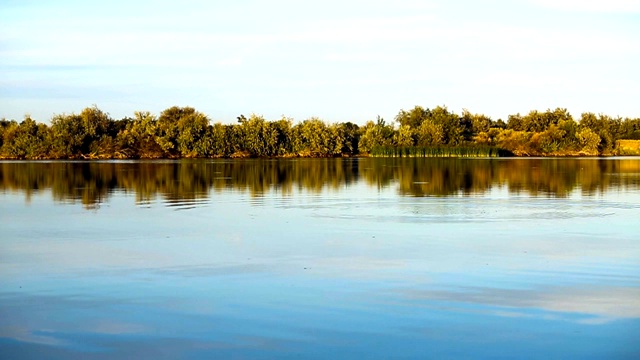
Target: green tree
138	138
516	123
284	130
450	124
377	134
28	140
192	139
604	127
312	137
517	142
260	136
414	117
474	124
182	131
630	129
498	124
537	121
550	140
167	125
350	134
588	141
219	141
5	125
430	134
79	135
569	141
404	137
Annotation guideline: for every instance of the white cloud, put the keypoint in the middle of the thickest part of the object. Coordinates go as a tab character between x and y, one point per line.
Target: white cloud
414	44
616	6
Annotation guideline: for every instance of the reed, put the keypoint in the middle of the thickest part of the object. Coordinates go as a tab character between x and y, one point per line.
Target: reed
439	151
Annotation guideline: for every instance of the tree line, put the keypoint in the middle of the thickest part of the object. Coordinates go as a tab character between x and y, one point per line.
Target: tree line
183	132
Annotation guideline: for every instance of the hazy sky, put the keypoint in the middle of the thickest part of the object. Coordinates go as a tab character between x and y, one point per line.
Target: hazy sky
337	60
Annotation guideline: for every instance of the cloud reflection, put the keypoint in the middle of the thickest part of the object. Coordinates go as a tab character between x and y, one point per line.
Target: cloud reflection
597	304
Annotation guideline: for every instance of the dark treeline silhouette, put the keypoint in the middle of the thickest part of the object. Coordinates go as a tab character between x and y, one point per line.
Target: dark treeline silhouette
183	132
92	182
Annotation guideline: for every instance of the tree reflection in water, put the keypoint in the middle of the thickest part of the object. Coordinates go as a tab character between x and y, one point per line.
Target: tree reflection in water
92	182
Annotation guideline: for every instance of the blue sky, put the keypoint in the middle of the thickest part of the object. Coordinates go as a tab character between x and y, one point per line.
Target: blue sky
337	60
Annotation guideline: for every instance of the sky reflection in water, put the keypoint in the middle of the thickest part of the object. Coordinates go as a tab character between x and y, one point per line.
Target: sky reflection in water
368	258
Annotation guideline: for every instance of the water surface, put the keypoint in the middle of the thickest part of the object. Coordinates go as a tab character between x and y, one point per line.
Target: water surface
331	258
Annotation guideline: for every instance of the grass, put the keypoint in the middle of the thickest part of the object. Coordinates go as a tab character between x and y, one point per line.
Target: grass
627	147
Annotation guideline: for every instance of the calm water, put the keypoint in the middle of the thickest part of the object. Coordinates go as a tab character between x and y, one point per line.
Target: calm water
303	259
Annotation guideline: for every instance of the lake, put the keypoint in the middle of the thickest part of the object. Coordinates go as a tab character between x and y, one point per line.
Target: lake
365	258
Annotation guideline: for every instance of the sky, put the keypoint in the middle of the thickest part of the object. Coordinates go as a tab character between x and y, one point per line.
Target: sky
347	60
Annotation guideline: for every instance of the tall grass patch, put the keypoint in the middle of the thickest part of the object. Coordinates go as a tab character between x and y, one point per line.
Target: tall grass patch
438	151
